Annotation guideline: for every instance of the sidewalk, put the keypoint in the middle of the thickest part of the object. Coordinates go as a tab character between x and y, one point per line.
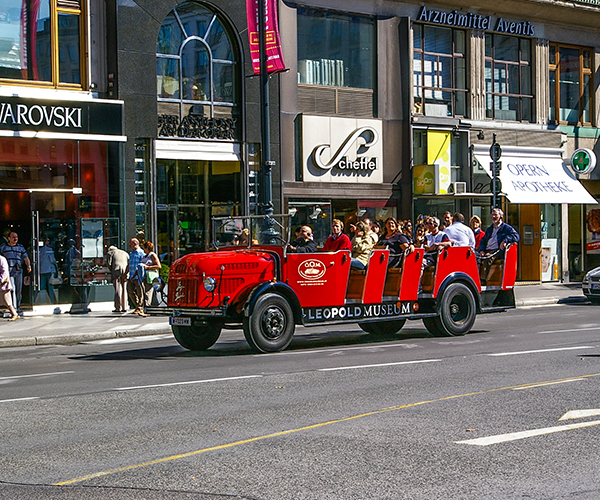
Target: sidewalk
45	328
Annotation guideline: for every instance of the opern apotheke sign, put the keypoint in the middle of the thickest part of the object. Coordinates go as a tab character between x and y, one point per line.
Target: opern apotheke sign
475	21
98	117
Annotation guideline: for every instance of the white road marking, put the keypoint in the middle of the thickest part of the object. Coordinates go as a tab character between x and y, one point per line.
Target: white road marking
570	415
378	365
36	375
513	436
542	384
127	340
337	350
16	399
541	350
189	382
580	329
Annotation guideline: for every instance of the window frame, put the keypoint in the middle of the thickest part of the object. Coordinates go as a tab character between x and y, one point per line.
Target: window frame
68	7
554	47
520	64
214	64
454	55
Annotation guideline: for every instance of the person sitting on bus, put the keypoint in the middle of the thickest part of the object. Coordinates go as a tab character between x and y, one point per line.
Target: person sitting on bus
434	240
362	244
338	240
304	243
396	241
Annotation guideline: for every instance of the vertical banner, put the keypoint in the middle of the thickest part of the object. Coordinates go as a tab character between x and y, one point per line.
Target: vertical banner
272	41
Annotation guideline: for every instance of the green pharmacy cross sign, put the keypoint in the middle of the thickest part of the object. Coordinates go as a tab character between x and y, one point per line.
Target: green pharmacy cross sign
583	161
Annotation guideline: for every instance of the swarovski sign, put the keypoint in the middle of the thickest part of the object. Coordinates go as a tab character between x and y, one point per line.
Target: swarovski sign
30	115
341	149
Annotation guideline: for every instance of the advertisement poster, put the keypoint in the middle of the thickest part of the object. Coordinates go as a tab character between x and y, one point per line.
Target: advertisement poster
549	259
592	219
272	40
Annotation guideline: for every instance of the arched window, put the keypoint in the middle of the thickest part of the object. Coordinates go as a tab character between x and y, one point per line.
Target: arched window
197	74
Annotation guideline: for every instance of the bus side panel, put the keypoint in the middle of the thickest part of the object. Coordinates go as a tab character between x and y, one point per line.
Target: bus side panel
411	275
453	260
510	268
375	279
319	279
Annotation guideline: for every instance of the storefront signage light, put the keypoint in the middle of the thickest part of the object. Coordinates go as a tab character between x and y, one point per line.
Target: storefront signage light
475	21
197	127
36	114
583	161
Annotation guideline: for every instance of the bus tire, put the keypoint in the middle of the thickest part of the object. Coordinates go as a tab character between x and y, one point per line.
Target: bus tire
383	328
197	337
457	312
270	328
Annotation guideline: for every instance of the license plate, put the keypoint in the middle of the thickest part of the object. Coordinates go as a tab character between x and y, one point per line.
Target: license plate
177	321
595	286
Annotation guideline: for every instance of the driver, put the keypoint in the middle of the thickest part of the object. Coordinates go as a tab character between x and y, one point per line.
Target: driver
305	242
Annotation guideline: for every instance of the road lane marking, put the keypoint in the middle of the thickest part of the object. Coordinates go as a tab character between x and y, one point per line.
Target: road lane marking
285	433
579	414
581	329
36	375
554	382
541	350
513	436
17	399
377	365
188	382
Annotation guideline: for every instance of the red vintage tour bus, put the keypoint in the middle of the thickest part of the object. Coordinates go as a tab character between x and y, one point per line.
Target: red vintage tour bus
267	291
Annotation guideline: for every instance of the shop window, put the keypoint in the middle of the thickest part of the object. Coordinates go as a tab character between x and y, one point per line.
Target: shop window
571	82
439	71
336	53
42	42
508	78
197	75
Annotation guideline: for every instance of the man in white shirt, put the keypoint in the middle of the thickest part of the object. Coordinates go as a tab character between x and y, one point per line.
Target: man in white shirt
460	234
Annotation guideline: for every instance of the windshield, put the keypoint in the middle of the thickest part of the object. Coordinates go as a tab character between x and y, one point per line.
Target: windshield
251	230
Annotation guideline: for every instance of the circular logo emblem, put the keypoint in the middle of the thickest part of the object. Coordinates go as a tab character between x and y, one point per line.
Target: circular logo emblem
311	269
583	160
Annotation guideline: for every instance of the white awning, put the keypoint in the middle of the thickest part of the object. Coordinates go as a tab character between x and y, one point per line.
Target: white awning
198	150
535	175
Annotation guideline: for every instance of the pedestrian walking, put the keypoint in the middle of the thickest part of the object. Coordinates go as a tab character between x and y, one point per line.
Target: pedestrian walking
151	264
116	261
48	268
135	283
5	287
17	258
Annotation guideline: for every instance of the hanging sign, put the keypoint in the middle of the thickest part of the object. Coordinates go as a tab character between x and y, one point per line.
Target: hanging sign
583	161
273	51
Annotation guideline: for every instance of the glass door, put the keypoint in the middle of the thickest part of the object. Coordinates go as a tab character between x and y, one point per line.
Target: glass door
168	234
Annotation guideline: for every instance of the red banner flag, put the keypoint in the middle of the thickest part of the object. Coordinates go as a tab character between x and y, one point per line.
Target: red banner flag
272	41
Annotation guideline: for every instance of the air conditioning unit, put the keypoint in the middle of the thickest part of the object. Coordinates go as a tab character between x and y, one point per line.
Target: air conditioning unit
458	187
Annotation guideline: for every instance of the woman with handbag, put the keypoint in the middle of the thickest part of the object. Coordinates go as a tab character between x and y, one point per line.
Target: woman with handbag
5	288
151	265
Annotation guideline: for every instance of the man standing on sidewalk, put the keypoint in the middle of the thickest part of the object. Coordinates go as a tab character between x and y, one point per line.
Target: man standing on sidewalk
117	260
135	286
17	258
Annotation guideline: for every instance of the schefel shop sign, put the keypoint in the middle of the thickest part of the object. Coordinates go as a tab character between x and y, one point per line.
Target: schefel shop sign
341	150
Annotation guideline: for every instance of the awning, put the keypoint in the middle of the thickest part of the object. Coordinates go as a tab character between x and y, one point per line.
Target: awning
535	175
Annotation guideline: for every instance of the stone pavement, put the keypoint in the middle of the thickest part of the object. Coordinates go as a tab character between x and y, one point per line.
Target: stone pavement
43	327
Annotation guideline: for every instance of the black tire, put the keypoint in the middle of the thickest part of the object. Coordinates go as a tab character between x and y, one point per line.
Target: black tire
197	337
457	312
383	328
270	328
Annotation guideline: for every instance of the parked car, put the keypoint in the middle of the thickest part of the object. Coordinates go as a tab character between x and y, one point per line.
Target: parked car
591	285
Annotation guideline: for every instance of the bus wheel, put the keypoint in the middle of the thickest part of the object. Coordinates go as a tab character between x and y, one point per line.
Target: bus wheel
457	311
383	328
270	328
197	337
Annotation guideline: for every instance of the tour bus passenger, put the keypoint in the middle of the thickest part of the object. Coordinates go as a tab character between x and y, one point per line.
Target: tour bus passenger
396	241
362	244
434	240
420	231
475	224
494	242
338	240
304	243
460	234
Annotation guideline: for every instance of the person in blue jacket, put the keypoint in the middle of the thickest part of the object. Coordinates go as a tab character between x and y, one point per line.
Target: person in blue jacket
494	242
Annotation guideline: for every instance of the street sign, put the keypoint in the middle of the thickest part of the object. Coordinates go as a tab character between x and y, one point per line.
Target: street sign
583	161
495	151
496	185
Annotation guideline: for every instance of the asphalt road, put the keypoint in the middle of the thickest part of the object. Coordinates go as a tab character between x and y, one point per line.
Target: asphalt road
337	416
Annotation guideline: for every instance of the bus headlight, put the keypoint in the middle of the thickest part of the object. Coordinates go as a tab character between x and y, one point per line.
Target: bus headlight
210	284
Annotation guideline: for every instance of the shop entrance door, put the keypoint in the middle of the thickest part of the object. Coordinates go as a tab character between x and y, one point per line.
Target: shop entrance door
168	234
